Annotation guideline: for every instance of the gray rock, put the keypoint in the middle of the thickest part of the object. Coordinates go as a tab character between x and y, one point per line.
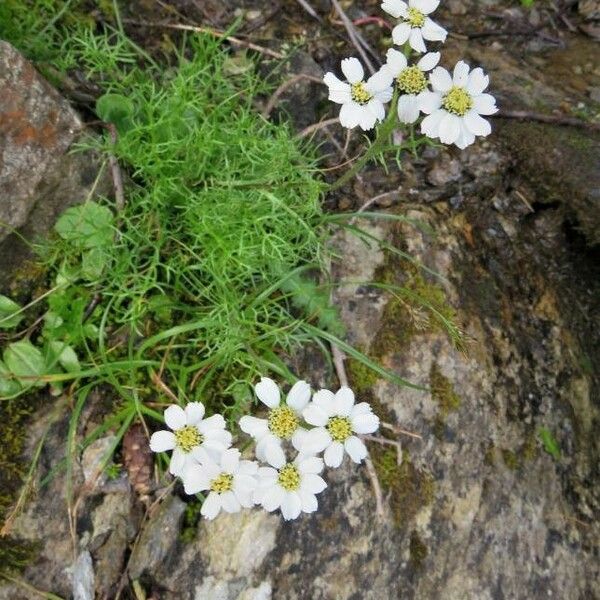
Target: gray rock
83	577
39	178
158	538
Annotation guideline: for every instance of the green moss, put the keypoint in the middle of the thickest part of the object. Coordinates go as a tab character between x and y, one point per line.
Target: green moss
14	553
442	392
510	459
362	377
410	488
191	518
418	551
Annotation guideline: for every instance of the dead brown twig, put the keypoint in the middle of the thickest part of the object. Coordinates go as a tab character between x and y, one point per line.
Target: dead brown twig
285	86
198	29
316	126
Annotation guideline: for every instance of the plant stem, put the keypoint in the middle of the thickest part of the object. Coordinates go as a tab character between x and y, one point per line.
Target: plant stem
384	132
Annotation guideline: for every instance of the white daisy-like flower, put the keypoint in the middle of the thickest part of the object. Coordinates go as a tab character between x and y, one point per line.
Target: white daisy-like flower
455	105
192	438
411	81
337	420
282	422
415	25
291	487
231	483
362	101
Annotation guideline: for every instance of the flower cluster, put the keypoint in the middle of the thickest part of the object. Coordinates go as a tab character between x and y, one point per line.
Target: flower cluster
305	423
453	104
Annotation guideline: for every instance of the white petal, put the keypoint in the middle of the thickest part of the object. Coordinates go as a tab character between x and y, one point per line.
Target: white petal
312	483
440	80
211	506
433	32
194	412
267	391
396	62
477	82
396	8
416	40
178	462
350	114
380	82
476	125
466	138
230	503
461	74
175	417
401	33
244	494
230	459
449	128
365	423
430	125
324	399
376	107
315	441
213	422
408	108
248	467
429	61
299	396
254	426
201	455
429	101
161	441
309	501
485	104
299	438
315	415
362	408
263	443
356	449
353	70
368	119
339	91
214	449
344	401
291	506
425	6
195	480
311	464
275	455
266	476
273	497
334	455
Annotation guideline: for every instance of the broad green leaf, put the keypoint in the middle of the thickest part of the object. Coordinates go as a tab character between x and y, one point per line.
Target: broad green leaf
93	263
25	361
116	109
8	308
65	355
52	320
88	225
550	444
8	385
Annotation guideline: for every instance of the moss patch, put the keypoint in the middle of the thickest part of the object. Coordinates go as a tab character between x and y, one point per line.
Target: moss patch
361	377
418	551
442	392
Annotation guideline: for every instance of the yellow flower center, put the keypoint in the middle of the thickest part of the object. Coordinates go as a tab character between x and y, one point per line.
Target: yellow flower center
415	18
222	483
340	428
412	80
458	101
360	94
289	477
283	422
188	437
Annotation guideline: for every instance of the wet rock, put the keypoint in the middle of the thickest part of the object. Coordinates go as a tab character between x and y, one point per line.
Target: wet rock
38	177
158	538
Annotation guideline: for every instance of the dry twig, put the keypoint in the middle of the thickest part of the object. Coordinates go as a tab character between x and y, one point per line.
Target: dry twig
283	87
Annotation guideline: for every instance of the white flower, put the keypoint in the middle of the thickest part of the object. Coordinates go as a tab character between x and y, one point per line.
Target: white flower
337	419
455	105
231	483
292	487
411	81
362	102
415	26
282	422
193	438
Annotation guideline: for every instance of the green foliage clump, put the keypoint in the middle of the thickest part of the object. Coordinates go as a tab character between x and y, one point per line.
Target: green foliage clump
442	392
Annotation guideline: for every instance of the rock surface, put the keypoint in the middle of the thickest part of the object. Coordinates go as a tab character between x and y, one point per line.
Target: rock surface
38	176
